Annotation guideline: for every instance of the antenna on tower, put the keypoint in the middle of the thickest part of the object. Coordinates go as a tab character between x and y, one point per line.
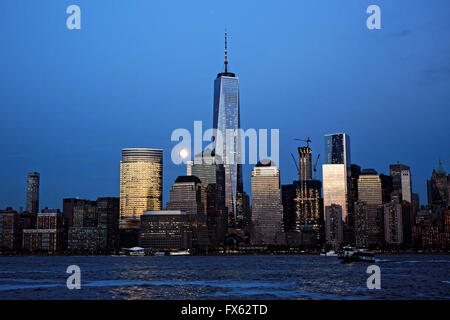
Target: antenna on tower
226	53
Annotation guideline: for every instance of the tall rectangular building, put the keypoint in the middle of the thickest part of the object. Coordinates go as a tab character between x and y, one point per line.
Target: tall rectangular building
438	187
370	195
33	192
333	226
337	179
335	187
108	220
393	223
211	173
337	149
267	212
188	195
227	123
401	180
141	171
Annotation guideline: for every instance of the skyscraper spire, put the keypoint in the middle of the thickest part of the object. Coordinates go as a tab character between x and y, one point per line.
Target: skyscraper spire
226	53
441	168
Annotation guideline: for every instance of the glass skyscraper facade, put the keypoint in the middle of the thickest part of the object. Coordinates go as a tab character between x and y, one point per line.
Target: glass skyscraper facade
227	123
336	172
335	187
337	149
141	172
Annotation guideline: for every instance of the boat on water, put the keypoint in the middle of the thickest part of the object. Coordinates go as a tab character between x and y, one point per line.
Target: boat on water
330	253
180	253
135	251
351	254
159	253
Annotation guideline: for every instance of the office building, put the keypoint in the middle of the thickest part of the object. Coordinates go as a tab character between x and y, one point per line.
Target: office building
349	231
333	226
361	228
212	177
401	180
335	194
108	220
167	230
141	171
267	211
33	192
226	121
438	187
10	230
87	239
48	235
386	188
355	171
336	173
189	196
79	213
370	194
393	223
398	223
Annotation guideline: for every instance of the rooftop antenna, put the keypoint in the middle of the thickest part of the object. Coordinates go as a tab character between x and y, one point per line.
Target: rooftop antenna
226	53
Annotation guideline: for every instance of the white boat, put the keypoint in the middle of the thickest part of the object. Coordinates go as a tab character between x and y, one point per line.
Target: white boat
330	253
159	253
180	253
136	251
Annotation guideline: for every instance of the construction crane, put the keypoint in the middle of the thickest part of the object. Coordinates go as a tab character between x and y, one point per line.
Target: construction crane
295	162
315	166
308	140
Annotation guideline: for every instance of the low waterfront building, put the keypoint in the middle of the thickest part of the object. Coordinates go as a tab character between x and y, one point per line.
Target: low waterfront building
10	230
48	236
166	230
90	239
42	240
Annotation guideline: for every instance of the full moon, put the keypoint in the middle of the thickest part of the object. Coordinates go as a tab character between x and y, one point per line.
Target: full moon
183	153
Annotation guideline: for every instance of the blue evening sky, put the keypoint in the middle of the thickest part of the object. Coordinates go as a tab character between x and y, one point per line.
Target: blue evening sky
70	100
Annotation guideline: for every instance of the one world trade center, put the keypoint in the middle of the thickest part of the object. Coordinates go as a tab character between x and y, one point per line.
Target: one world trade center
227	123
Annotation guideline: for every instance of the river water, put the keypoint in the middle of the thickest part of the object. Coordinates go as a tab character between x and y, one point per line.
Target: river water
223	277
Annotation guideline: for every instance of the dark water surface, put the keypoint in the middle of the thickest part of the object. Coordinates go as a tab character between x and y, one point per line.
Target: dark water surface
224	277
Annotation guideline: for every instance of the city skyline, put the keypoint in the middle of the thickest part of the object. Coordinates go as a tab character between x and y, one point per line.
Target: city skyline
67	170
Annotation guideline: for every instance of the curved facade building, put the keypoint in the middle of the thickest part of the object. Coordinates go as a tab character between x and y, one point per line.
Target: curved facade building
141	171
